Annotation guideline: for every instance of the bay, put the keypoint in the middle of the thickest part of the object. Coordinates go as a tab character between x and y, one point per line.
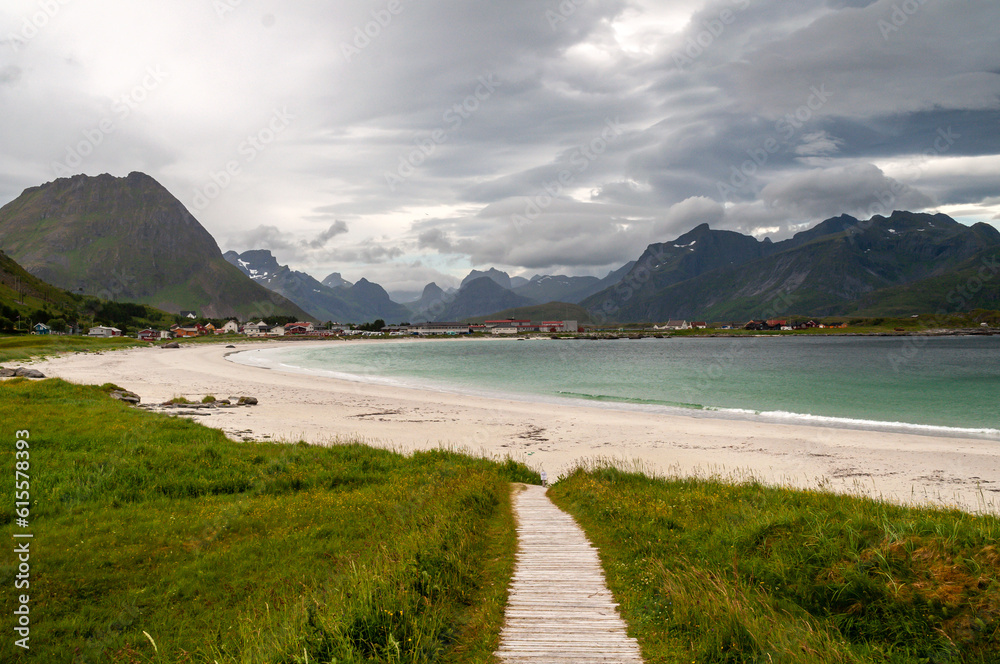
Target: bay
936	385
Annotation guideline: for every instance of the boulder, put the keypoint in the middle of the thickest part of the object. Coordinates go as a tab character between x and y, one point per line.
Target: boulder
126	396
7	373
247	401
172	344
28	373
230	346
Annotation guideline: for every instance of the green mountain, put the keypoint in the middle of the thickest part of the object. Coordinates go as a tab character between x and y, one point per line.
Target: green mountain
348	303
25	299
539	312
476	298
129	239
841	266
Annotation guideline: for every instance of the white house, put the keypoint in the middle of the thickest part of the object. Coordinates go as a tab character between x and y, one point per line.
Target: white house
439	328
231	327
256	329
104	331
674	325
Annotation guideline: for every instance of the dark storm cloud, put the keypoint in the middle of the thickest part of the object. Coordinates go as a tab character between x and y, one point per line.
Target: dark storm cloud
443	135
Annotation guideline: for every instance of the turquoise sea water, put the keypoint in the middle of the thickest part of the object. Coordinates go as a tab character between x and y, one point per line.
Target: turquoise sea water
941	385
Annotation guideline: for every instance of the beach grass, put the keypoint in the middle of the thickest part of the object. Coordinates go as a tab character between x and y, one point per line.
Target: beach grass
717	571
157	539
30	346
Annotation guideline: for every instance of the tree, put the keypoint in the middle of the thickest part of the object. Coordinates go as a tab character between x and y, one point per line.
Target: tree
58	324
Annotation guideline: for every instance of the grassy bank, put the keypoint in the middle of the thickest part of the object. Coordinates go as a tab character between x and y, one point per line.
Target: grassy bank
25	347
158	540
713	572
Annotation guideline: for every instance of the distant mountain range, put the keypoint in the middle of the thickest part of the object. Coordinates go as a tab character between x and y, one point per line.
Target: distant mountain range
345	302
841	266
128	239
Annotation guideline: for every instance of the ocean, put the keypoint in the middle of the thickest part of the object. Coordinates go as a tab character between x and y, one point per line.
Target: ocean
932	385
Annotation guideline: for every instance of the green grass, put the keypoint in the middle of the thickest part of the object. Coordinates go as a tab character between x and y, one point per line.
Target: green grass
707	571
247	552
25	347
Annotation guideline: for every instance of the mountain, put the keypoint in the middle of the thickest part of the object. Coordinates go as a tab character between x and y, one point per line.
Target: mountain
357	303
336	281
26	297
128	239
500	278
477	297
975	284
539	312
560	288
518	281
432	301
831	268
23	292
374	300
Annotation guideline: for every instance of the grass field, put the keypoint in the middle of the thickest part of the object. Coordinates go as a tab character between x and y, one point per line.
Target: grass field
25	347
707	571
158	540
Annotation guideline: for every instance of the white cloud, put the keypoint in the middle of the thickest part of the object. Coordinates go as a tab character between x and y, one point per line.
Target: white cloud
315	191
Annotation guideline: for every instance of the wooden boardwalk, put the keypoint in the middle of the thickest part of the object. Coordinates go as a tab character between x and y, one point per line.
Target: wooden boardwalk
560	609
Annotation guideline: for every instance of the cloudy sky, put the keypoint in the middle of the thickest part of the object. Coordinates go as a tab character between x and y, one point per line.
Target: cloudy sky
411	140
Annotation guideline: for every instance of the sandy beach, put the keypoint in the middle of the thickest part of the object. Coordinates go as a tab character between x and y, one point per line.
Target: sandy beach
552	437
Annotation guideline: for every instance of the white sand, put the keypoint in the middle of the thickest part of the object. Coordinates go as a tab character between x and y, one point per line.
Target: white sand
899	467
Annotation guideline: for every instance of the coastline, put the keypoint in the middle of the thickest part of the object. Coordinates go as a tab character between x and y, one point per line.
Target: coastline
900	467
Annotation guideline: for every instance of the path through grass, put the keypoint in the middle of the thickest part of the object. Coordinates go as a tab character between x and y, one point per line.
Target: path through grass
242	552
707	571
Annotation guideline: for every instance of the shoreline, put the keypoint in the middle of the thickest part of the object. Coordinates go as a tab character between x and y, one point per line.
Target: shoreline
732	414
900	467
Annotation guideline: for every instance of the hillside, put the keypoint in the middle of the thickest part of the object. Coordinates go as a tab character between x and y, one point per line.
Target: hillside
840	266
346	303
476	298
22	290
973	285
128	239
25	299
539	312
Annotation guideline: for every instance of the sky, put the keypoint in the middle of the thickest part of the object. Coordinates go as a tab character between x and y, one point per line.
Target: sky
409	141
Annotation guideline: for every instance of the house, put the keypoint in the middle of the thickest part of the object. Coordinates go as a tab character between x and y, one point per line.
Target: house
699	325
776	323
277	331
41	328
149	334
506	322
297	328
189	314
104	331
231	327
559	326
256	329
674	325
209	329
439	328
166	334
504	329
181	332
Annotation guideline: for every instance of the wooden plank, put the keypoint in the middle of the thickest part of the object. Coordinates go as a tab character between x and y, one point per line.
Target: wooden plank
559	607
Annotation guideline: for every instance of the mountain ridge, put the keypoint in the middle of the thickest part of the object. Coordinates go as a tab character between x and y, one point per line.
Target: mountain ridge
128	238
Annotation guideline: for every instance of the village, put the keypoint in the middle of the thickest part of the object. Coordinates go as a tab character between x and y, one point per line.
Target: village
502	327
506	326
